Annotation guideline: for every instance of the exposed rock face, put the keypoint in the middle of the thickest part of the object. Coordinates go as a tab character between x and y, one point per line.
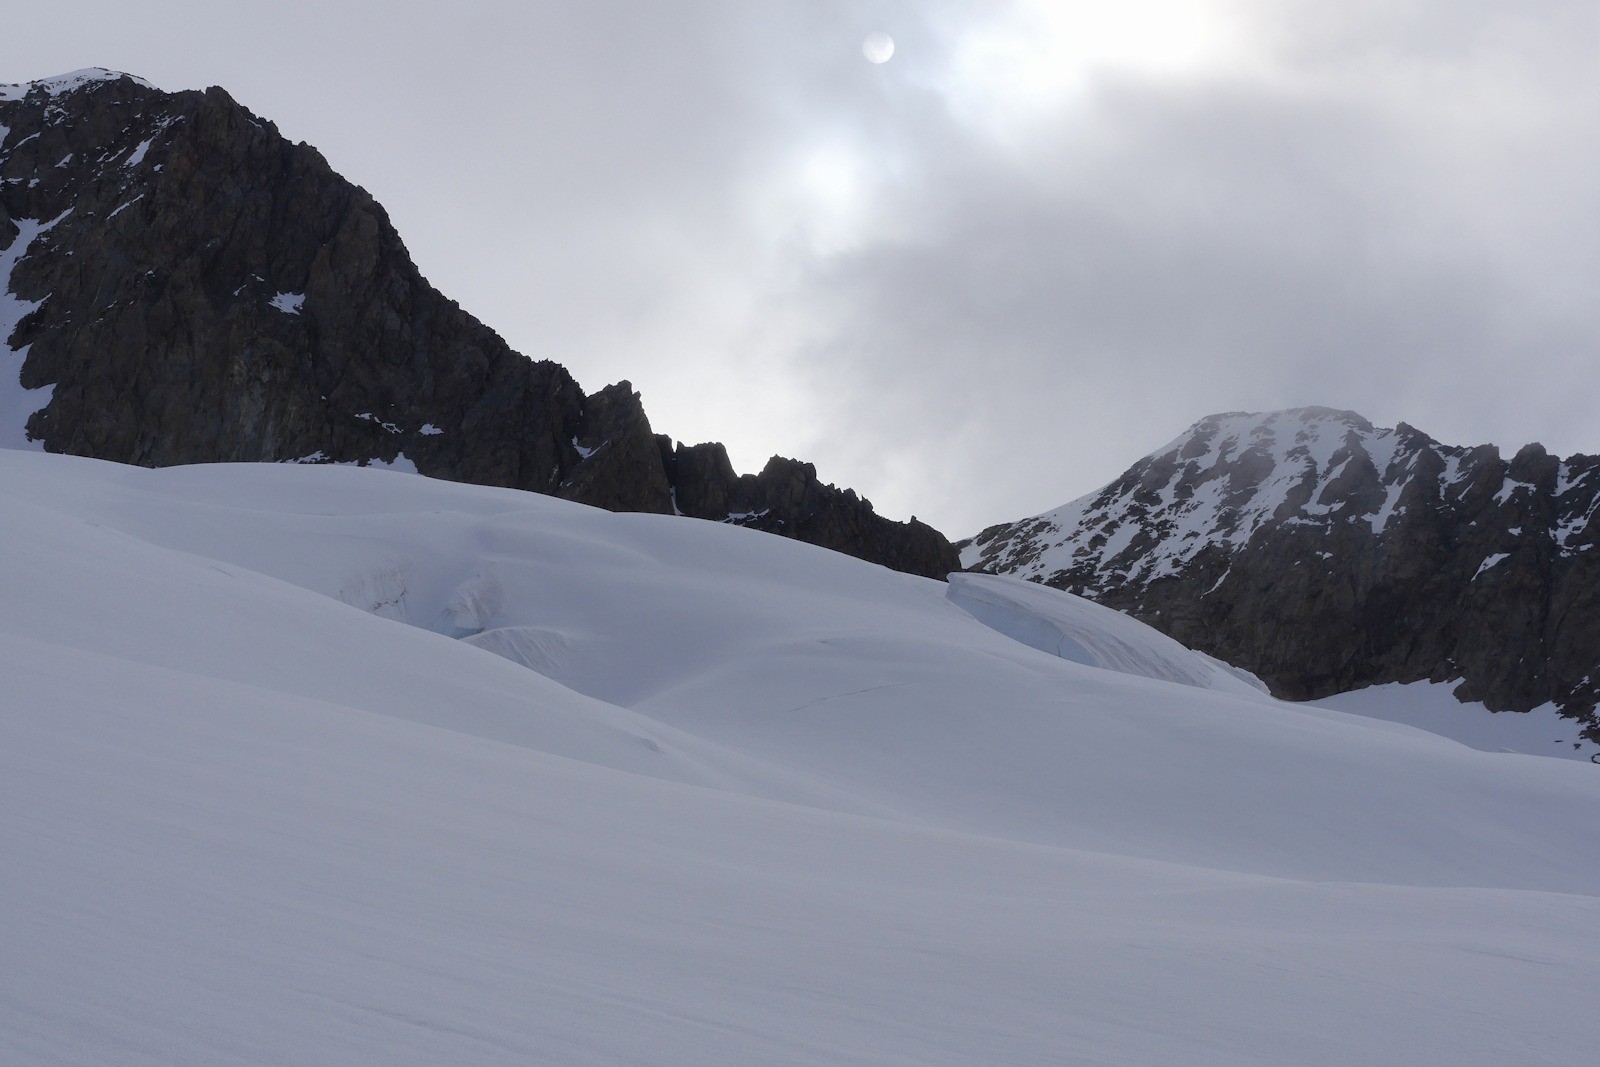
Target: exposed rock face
179	284
1325	554
786	498
622	467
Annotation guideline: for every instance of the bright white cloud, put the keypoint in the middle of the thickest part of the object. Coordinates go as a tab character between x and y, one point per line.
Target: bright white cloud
1032	58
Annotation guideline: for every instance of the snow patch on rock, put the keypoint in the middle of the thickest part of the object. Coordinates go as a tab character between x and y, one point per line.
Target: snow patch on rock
17	404
288	303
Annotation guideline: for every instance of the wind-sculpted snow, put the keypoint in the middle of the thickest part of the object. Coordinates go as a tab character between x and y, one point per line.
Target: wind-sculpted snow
1084	632
320	764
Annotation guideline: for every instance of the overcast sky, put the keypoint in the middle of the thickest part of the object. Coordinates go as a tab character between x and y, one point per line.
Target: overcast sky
982	278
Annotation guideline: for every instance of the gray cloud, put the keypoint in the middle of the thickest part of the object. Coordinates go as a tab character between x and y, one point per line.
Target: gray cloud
1243	244
965	305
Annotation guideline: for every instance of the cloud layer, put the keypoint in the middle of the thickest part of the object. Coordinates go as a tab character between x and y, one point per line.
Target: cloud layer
982	278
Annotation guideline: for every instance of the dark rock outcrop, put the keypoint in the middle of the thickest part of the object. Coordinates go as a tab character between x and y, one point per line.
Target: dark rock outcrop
1325	555
787	498
195	288
621	464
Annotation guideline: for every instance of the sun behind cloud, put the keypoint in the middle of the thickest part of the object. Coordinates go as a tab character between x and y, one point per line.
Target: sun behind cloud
878	47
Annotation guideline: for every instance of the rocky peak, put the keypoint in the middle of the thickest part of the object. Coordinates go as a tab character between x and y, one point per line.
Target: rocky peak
1326	554
621	466
180	284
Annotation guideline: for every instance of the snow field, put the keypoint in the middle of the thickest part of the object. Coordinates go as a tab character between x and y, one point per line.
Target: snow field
721	798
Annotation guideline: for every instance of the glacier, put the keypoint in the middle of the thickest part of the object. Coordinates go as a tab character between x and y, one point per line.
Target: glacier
329	765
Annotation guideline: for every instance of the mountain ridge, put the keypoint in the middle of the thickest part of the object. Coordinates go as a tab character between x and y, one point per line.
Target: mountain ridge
1326	554
181	284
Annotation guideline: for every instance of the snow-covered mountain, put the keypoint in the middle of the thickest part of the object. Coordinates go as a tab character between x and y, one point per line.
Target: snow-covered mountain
180	284
321	764
1325	554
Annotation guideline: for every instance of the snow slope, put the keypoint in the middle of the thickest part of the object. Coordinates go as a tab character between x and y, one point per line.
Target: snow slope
334	765
1085	632
1432	706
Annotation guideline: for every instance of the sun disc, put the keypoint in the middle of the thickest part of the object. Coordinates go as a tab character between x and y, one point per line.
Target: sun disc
878	47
